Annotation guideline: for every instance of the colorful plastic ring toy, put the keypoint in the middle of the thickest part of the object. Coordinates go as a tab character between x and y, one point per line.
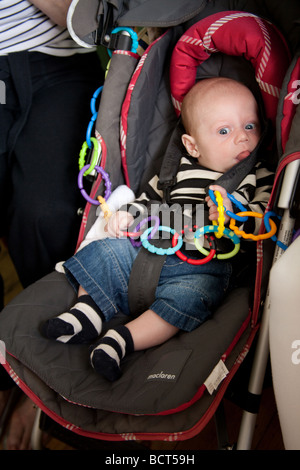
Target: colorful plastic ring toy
132	234
104	207
95	156
139	225
196	261
94	116
89	129
236	202
250	236
267	223
268	228
161	251
228	233
106	182
221	218
240	206
133	35
94	99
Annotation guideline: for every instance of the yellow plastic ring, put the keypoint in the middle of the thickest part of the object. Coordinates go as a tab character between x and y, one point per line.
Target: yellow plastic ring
221	218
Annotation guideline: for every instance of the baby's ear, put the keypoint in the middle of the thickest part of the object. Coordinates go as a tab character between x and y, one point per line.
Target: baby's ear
190	145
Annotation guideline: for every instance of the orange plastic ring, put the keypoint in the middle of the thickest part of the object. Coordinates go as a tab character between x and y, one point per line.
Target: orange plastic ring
251	235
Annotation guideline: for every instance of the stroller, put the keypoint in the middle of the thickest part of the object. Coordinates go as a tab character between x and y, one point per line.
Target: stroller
172	391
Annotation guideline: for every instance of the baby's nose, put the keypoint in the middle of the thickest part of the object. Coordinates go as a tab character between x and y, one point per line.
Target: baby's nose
241	135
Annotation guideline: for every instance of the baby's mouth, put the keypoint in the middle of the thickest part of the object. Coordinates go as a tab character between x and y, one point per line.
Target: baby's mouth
241	156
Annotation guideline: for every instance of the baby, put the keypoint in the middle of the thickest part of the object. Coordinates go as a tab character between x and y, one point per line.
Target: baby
221	120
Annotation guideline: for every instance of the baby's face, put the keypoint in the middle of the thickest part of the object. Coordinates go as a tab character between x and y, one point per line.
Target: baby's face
228	130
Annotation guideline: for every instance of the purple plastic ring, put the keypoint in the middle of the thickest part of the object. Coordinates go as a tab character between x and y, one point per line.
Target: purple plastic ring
152	232
106	180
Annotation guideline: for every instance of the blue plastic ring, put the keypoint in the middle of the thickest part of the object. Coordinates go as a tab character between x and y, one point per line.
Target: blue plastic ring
268	229
94	99
133	35
236	202
161	251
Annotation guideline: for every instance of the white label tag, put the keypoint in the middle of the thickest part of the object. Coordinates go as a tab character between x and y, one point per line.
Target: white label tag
215	378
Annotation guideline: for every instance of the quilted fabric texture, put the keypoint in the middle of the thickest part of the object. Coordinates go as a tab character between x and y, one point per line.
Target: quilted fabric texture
234	33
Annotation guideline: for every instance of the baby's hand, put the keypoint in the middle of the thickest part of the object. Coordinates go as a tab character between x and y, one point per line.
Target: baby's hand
213	209
118	222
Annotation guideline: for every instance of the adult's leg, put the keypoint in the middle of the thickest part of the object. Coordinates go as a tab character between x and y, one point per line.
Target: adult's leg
43	218
43	222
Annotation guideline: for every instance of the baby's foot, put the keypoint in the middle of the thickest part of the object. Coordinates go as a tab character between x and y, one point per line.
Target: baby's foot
81	324
110	350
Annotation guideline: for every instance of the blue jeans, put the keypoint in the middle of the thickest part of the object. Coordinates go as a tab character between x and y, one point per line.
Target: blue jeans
186	295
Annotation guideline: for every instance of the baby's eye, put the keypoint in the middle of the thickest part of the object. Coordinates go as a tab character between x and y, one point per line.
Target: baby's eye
224	131
250	126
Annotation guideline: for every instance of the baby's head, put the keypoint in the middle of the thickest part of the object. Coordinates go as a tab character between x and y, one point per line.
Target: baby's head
221	120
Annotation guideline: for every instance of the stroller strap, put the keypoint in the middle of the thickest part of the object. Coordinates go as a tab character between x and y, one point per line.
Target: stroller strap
143	280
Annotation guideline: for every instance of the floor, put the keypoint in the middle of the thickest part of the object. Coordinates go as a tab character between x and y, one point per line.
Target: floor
267	435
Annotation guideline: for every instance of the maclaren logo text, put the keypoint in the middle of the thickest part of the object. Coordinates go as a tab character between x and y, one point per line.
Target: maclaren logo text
161	375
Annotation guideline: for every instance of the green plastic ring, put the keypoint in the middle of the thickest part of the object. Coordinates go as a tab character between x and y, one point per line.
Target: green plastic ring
214	228
95	156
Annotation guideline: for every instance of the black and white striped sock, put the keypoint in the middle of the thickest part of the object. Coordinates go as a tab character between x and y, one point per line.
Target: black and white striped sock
110	350
81	324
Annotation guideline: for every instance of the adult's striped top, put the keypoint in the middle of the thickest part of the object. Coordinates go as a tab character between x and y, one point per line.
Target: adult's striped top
24	27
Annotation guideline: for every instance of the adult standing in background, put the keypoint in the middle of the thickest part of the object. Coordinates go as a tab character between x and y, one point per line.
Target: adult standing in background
48	81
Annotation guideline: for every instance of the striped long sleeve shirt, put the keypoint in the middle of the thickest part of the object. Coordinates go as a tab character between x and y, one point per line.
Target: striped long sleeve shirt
190	189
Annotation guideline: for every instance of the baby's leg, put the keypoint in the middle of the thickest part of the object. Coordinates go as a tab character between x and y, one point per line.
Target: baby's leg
149	330
144	332
81	324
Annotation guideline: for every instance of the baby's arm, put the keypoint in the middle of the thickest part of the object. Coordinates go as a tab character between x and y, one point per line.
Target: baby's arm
213	209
